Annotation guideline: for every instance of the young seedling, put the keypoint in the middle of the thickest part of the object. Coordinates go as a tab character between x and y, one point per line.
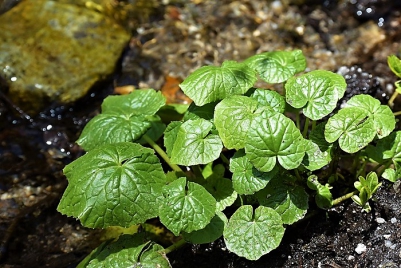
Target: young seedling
366	187
239	166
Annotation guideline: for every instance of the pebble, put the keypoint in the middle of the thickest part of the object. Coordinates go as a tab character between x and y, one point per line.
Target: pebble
360	248
393	220
389	244
380	220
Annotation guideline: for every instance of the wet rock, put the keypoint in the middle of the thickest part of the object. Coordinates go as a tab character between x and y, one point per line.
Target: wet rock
54	51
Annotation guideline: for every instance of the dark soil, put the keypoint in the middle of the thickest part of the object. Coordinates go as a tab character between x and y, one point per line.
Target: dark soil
34	150
327	239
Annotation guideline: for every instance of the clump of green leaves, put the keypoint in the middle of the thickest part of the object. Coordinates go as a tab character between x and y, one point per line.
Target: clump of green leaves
251	167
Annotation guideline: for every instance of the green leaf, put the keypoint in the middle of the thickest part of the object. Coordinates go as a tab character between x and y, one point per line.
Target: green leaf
211	83
323	196
277	66
289	200
188	207
154	257
246	178
252	234
128	251
318	152
352	127
170	136
195	145
196	112
232	118
366	187
220	188
117	184
393	174
395	65
316	92
210	233
124	118
269	98
274	137
382	116
390	147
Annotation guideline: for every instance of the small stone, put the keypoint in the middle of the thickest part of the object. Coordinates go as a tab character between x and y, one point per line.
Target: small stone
360	248
380	220
350	257
393	220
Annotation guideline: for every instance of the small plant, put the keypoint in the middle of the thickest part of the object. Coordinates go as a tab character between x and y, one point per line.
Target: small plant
241	162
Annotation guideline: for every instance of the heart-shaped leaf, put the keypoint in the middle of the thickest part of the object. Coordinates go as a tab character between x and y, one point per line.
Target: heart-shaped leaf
232	118
195	144
274	137
211	83
352	127
188	207
277	66
247	179
382	116
124	118
114	185
316	92
252	234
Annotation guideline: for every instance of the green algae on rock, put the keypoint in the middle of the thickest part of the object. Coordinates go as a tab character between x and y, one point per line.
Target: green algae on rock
52	51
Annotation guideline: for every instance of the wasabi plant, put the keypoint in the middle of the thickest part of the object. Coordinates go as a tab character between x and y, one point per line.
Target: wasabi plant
241	162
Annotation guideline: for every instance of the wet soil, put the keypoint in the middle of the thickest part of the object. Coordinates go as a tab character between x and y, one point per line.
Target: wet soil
182	36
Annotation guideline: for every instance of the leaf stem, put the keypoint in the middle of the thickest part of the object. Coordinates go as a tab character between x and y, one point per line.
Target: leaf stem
306	126
162	153
297	121
174	246
224	159
385	166
313	124
197	171
397	113
344	197
391	100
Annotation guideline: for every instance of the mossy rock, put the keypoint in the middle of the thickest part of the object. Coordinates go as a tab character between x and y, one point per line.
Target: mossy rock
54	52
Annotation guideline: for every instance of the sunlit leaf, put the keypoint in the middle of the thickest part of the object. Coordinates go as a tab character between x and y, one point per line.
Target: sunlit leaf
277	66
274	137
195	144
316	92
253	233
116	184
187	207
352	127
232	118
382	116
124	118
246	178
211	83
